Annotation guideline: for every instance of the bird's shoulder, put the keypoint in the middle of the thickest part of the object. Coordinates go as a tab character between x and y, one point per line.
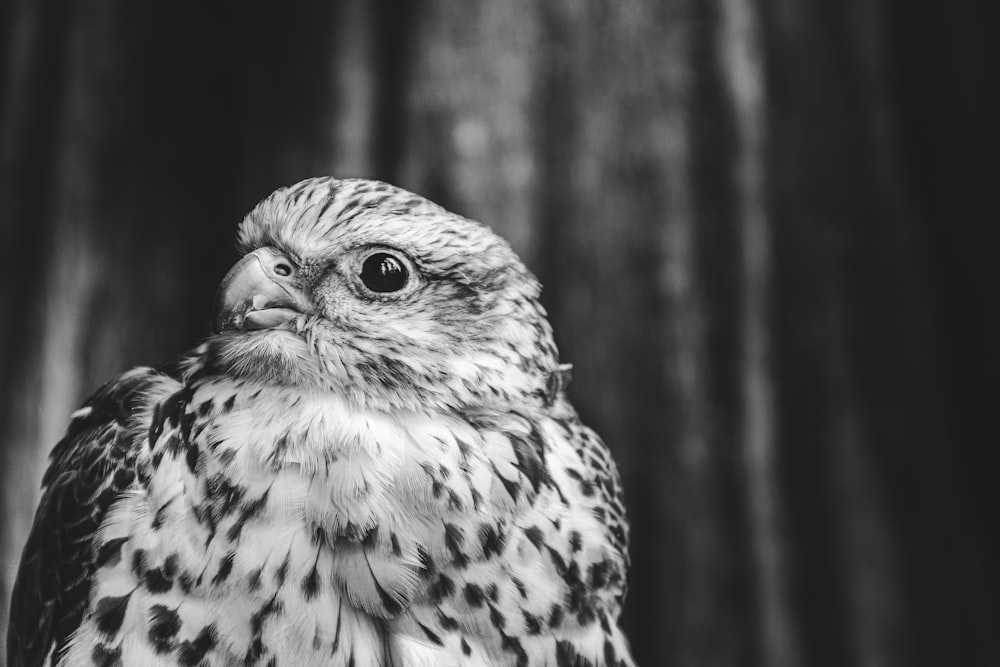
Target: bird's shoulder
586	460
98	459
582	528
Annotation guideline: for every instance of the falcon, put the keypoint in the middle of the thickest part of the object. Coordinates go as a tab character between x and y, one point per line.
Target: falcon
372	461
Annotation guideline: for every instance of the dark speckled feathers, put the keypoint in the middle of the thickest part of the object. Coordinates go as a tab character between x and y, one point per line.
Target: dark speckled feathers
97	460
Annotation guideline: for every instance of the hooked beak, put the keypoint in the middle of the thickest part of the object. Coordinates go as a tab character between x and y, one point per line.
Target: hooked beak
259	292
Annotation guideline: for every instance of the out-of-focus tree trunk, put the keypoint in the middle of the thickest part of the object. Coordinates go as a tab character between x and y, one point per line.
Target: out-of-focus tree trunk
824	76
747	250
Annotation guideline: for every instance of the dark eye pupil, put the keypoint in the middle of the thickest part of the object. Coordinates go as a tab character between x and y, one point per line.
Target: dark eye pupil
383	273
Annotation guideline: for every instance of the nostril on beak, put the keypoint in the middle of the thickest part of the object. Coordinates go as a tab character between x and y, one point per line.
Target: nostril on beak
283	269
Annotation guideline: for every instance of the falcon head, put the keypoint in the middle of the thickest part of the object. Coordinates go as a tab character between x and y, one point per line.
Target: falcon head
376	293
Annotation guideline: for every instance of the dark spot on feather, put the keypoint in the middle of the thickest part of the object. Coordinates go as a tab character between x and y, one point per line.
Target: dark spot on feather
466	649
575	541
201	514
453	537
474	595
310	584
110	553
192	458
170	565
192	652
446	622
598	574
199	429
254	652
110	612
520	587
225	493
496	618
227	407
163	626
430	635
577	589
123	478
513	645
532	623
281	572
106	656
253	580
391	605
534	535
325	207
492	540
138	562
225	567
443	587
513	488
279	447
566	656
558	561
172	444
556	616
318	536
529	453
352	533
394	542
247	512
426	562
160	516
257	619
610	657
156	581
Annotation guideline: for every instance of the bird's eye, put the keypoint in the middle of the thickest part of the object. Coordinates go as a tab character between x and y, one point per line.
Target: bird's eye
383	272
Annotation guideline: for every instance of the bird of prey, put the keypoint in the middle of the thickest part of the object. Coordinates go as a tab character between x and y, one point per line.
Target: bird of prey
372	461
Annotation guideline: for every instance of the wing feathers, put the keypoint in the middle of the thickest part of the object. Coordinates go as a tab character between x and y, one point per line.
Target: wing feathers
95	461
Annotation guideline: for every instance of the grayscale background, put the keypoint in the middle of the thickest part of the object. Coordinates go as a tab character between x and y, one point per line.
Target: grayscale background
764	231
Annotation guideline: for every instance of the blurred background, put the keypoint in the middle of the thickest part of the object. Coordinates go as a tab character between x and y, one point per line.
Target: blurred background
764	231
